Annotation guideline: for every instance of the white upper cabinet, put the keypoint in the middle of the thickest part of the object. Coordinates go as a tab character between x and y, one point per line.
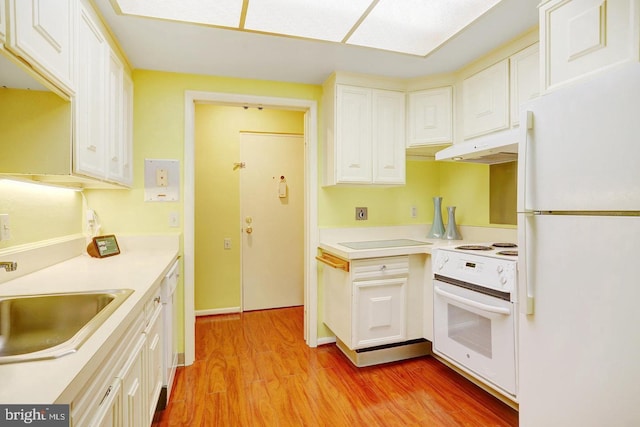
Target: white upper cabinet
3	21
353	135
430	117
581	37
485	101
42	32
119	126
388	139
525	79
365	135
89	147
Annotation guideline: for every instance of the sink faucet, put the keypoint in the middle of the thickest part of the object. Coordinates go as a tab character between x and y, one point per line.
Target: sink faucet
9	265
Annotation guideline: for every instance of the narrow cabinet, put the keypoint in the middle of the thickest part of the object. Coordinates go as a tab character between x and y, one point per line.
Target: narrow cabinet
119	127
134	412
3	21
430	117
42	33
153	359
365	133
89	105
524	79
579	38
485	100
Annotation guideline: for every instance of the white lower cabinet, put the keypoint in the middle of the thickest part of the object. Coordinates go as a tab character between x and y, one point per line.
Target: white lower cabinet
367	306
379	308
124	388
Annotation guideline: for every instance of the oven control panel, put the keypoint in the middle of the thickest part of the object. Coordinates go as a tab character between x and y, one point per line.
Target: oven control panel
486	271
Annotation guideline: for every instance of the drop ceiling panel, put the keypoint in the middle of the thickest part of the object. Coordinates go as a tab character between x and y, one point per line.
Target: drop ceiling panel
316	19
223	13
415	26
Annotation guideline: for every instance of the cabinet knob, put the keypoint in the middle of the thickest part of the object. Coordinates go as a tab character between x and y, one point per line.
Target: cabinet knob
92	148
114	159
383	268
156	300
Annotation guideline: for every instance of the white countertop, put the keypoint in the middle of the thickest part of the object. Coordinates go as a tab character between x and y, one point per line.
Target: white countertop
330	240
138	267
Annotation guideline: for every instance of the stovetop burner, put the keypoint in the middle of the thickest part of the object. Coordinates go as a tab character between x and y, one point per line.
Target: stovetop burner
508	253
474	248
504	245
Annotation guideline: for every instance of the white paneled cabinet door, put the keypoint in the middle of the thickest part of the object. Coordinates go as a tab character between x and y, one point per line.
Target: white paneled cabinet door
42	32
3	21
525	79
353	135
485	101
127	130
154	361
115	116
581	38
380	311
89	149
110	410
388	138
430	117
134	412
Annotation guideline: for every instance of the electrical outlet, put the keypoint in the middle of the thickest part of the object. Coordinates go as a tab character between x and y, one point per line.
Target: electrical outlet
414	211
227	243
361	214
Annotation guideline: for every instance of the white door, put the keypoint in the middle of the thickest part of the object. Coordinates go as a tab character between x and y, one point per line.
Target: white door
272	210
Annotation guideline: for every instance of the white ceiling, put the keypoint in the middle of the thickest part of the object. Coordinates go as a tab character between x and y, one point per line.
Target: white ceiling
198	49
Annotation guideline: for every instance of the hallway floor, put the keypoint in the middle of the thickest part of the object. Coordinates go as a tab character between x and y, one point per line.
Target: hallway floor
254	369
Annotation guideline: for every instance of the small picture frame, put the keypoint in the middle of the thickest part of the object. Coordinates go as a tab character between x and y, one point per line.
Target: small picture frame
103	246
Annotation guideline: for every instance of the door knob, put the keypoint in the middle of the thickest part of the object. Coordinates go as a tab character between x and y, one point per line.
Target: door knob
249	230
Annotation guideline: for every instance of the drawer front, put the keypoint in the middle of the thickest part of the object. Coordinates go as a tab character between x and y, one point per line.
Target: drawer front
378	268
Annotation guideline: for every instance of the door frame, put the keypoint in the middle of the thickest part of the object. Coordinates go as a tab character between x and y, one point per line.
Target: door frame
310	108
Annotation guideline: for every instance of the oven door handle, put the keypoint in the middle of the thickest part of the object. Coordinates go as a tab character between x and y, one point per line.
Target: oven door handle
471	303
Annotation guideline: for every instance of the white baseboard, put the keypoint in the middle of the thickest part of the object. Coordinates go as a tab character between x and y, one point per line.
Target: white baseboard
326	340
213	312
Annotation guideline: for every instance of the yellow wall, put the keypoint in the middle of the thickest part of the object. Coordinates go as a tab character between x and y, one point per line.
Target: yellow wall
38	212
217	204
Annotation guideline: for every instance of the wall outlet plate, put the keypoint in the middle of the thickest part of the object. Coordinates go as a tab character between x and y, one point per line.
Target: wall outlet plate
361	214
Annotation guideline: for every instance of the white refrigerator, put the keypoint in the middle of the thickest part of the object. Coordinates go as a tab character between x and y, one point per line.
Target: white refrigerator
579	254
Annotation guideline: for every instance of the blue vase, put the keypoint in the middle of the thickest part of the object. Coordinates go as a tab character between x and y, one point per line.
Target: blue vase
452	232
437	227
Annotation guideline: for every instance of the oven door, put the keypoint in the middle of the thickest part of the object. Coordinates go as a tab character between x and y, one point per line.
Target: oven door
476	332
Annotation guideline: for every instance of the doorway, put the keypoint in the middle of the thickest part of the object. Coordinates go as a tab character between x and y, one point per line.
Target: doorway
272	213
309	108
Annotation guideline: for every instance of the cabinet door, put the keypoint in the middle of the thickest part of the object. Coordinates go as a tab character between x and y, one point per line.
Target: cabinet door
127	130
579	38
525	79
3	21
485	100
379	312
110	410
89	146
388	141
353	135
430	117
153	358
134	410
41	31
115	116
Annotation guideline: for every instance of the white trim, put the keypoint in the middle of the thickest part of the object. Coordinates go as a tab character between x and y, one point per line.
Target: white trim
326	340
311	204
213	312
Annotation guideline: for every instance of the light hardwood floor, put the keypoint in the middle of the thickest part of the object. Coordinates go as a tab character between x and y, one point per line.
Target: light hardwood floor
254	369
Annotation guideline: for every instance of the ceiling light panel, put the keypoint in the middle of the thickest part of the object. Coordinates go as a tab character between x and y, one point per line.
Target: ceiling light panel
316	19
221	13
417	27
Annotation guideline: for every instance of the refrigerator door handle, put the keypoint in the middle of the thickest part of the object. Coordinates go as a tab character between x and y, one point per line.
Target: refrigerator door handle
526	299
526	128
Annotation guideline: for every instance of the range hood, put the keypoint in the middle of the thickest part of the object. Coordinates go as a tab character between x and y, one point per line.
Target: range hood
491	149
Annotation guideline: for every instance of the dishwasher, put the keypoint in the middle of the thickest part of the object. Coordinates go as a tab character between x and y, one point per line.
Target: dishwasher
170	330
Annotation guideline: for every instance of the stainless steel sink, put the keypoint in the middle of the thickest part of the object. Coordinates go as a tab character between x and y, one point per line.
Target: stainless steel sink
47	326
